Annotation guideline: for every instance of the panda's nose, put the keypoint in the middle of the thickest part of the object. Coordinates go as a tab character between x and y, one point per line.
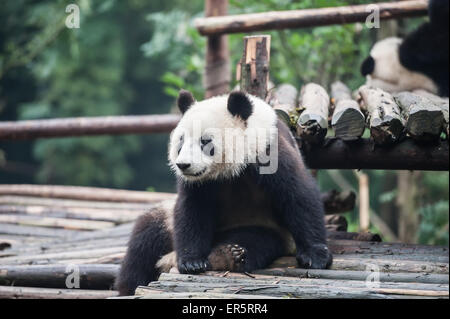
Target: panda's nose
183	166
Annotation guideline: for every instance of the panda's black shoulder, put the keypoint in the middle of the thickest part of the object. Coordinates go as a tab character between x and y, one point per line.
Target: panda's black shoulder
425	50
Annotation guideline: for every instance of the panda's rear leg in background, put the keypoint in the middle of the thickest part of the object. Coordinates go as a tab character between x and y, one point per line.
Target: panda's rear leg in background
149	241
246	249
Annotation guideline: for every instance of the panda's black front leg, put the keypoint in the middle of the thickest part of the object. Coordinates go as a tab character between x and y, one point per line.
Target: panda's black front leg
193	229
296	198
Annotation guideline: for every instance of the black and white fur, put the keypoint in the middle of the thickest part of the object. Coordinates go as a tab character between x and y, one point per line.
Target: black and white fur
228	216
420	61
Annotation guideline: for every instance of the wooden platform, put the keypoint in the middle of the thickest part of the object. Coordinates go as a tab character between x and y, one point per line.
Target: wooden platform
43	241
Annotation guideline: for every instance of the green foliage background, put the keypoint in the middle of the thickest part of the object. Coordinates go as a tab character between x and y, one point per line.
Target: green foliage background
132	57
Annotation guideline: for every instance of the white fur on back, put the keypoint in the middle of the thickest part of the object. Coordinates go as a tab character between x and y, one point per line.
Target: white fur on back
390	75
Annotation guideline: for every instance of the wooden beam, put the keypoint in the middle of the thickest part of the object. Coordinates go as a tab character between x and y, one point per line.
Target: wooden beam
54	276
407	155
217	69
255	65
83	193
49	293
80	126
278	20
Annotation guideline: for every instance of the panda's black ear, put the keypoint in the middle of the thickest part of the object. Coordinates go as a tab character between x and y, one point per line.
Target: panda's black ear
367	66
185	100
240	105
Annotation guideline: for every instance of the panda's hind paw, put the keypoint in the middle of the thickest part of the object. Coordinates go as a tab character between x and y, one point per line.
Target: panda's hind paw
239	255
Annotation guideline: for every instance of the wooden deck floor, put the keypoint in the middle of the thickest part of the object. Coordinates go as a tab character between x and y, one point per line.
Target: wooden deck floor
45	241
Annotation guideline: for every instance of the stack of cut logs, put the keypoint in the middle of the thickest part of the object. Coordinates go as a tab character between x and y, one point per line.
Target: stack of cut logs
389	117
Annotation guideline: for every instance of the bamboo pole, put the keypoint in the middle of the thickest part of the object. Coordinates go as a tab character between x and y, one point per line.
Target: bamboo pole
278	20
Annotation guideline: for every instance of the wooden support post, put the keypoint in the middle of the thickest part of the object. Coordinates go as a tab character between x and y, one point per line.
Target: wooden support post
255	65
424	119
217	71
348	121
364	205
312	123
385	120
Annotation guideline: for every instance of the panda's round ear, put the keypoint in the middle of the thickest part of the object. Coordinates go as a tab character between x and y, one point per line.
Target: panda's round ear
240	105
185	100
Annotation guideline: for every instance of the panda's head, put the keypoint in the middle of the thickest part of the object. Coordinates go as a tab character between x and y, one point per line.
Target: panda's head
383	63
218	137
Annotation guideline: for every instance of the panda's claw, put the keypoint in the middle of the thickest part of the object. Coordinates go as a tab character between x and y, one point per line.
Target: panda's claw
193	267
316	257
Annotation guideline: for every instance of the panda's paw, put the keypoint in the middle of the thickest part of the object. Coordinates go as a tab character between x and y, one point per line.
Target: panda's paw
193	266
315	257
238	256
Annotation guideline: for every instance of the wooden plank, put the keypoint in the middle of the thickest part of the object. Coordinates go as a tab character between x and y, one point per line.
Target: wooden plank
84	193
299	289
277	20
145	293
10	229
49	293
70	203
116	216
52	222
54	276
355	275
340	262
59	256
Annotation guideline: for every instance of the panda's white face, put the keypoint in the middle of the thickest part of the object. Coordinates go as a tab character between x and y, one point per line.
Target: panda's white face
387	63
210	142
384	70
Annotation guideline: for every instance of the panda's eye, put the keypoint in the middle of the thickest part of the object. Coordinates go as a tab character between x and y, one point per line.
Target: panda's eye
207	146
205	140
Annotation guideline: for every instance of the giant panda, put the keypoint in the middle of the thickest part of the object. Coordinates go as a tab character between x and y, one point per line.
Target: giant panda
420	61
238	208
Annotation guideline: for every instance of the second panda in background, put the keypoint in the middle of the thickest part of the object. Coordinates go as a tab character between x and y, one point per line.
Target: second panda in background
420	61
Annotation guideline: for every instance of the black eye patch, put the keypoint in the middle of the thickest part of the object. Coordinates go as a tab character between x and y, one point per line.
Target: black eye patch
207	146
